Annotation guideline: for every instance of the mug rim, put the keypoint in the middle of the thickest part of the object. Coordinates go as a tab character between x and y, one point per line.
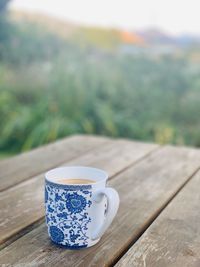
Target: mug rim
103	173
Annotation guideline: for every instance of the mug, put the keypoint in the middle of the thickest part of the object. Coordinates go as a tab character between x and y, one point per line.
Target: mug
77	215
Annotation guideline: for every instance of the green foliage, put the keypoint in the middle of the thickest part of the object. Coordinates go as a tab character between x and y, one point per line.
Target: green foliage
96	37
51	88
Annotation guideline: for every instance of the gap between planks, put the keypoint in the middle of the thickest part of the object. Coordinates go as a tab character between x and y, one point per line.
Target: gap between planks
173	239
41	220
147	187
151	221
22	233
142	150
20	168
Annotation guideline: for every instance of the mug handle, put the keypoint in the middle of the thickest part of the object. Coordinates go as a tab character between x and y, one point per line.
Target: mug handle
112	207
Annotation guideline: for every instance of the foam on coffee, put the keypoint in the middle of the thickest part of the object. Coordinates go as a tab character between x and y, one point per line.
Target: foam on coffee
75	181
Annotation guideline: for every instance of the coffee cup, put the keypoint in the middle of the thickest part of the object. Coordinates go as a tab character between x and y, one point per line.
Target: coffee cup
79	207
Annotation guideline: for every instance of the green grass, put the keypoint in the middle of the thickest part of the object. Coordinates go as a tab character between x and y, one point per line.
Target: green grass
51	88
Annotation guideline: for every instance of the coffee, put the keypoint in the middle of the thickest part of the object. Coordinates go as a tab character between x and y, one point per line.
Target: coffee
75	181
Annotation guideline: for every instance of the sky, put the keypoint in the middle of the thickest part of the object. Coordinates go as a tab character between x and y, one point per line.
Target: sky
173	16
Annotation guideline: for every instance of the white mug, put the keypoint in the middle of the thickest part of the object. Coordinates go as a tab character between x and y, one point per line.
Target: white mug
77	215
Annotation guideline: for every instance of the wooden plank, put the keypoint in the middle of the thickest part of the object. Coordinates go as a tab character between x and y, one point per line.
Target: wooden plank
174	238
22	205
144	190
19	168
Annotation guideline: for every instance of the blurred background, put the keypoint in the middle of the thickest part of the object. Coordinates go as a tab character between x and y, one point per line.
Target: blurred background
121	68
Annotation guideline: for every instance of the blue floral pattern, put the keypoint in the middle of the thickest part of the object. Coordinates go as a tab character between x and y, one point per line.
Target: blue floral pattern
56	234
67	214
75	203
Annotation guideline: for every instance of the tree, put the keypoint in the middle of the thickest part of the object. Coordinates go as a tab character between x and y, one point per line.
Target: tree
3	5
5	29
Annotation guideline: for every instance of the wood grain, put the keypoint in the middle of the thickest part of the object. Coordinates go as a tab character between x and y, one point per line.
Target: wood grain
19	168
144	190
173	240
22	205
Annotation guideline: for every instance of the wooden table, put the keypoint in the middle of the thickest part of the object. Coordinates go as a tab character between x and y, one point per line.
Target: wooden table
158	223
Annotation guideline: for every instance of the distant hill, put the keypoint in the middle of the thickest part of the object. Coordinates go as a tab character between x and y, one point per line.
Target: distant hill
132	38
103	37
188	39
157	36
60	27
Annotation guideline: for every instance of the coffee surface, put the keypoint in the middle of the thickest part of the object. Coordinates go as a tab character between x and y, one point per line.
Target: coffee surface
75	181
